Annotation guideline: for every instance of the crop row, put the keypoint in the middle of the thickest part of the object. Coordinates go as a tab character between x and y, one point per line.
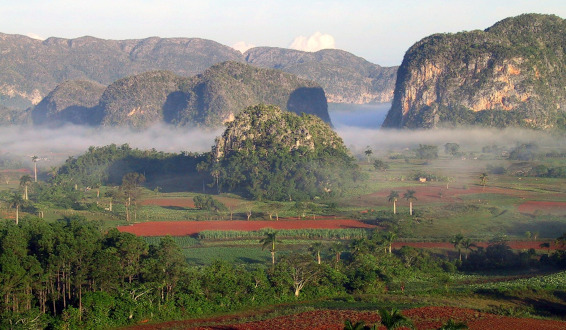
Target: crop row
349	233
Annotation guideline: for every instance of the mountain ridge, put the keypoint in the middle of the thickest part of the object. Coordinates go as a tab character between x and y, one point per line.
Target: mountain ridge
511	74
31	68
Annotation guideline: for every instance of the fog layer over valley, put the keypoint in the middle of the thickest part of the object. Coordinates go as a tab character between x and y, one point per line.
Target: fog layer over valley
358	125
56	145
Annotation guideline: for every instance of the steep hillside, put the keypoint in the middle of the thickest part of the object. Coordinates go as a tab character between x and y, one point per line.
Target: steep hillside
346	78
267	153
30	68
208	100
71	102
511	74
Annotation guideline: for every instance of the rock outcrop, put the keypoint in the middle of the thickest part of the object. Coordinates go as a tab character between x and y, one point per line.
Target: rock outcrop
206	100
511	74
346	78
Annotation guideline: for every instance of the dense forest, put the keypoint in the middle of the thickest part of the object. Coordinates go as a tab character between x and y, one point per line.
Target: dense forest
71	274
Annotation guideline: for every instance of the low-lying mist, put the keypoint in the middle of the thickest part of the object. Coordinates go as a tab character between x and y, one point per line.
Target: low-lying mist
470	139
54	145
358	125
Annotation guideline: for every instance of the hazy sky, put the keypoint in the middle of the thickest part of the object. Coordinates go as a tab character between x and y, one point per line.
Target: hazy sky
379	31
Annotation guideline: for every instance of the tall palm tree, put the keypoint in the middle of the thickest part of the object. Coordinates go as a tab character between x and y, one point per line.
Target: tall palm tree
457	241
34	159
393	196
388	238
410	197
16	201
315	248
25	180
269	242
468	245
393	319
337	248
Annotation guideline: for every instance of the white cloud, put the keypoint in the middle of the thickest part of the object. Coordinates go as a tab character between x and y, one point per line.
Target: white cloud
242	46
35	36
314	43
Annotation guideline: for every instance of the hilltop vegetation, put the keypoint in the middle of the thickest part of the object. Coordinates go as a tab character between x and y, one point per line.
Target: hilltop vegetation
270	154
208	100
511	74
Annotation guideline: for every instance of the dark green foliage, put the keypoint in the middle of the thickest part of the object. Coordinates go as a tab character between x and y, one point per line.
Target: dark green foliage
268	154
426	151
380	165
107	166
206	202
526	151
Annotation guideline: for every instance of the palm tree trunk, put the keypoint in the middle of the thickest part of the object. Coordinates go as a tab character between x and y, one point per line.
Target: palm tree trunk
17	214
394	208
411	208
273	257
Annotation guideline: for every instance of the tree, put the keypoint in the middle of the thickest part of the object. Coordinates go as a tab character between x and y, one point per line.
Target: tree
393	319
457	241
269	242
16	201
388	238
410	197
315	248
25	181
131	183
368	152
427	152
453	149
337	248
380	165
483	180
392	198
35	159
468	245
302	270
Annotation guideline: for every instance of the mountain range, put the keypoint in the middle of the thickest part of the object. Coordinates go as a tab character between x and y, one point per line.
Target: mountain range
207	100
30	69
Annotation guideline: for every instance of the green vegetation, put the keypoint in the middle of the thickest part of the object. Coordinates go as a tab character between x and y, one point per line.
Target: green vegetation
526	51
266	153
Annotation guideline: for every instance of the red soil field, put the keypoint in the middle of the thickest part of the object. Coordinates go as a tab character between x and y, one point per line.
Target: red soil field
545	207
422	318
184	228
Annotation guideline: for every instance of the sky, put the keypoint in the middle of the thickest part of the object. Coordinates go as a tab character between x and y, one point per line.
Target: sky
379	31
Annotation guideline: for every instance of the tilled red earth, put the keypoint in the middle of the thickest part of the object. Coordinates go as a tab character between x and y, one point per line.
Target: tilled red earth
185	228
558	208
422	318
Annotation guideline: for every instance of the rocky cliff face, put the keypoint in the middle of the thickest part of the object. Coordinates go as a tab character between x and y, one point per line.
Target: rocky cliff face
71	102
511	74
346	78
207	100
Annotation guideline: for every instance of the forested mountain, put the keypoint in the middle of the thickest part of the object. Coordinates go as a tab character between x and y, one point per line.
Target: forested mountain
208	99
30	68
511	74
346	78
266	153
